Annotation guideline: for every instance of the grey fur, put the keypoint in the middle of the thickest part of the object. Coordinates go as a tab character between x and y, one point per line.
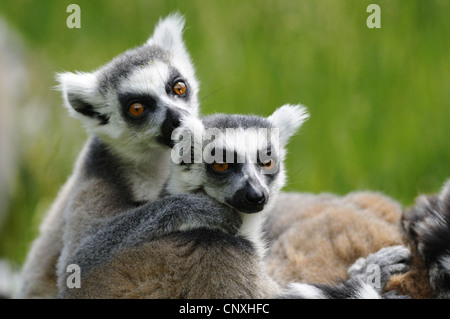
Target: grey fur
427	224
391	260
121	166
108	212
161	222
116	71
154	220
172	213
224	121
149	222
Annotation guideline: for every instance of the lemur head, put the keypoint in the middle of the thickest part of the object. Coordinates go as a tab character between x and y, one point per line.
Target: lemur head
137	99
236	159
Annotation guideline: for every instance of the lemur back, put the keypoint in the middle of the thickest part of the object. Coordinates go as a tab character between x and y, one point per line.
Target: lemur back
317	237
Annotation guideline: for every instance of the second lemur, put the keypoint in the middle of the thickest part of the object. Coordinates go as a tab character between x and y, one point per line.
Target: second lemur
168	254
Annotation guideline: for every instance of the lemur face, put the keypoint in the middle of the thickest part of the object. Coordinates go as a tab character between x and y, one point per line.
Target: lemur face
139	97
241	157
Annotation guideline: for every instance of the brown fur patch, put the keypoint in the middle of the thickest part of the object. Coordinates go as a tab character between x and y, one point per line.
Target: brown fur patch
315	238
415	283
325	234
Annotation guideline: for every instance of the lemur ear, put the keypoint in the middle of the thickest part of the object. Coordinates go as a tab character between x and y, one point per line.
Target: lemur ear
288	120
79	92
168	34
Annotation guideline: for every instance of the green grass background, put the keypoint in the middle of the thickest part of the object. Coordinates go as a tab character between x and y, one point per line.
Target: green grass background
379	98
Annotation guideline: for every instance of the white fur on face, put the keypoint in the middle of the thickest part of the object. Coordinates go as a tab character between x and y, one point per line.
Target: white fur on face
149	78
247	143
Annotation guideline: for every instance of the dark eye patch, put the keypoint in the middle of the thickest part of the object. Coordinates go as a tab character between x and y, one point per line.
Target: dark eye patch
174	78
128	99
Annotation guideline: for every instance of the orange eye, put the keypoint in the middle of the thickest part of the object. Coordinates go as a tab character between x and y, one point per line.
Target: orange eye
220	167
136	109
179	88
269	165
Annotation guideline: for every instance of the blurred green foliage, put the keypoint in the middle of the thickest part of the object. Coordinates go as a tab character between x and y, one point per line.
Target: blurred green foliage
379	98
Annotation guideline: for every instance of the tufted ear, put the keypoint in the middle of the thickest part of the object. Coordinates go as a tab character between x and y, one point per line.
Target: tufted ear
168	34
81	98
288	120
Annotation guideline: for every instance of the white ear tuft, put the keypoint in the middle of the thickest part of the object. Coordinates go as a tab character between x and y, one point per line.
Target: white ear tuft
82	99
168	32
168	35
77	89
288	120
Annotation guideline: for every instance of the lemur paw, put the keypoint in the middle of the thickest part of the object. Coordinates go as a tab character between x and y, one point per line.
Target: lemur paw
377	268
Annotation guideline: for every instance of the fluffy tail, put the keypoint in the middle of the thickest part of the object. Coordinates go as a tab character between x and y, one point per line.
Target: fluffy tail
428	225
9	279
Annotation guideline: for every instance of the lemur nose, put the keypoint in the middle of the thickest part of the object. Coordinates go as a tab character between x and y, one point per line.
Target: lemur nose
255	197
171	122
176	122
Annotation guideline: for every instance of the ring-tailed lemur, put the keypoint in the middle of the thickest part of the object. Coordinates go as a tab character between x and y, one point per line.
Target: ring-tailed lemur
134	256
316	238
427	225
130	107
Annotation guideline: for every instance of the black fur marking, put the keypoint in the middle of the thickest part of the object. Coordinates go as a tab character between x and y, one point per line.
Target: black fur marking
127	99
234	169
86	109
248	199
171	122
344	290
349	289
428	226
175	76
